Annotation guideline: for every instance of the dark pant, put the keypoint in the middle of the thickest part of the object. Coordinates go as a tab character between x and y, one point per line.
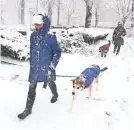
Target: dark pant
32	92
117	48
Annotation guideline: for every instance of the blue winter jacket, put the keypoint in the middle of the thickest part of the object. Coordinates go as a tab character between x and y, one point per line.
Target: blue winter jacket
90	74
44	50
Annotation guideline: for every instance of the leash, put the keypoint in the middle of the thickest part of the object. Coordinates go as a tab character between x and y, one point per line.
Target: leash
129	47
66	76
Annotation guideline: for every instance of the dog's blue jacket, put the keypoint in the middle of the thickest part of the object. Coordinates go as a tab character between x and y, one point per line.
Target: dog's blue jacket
90	74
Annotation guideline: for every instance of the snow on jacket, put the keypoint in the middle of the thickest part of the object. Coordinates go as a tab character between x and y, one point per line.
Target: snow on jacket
44	50
90	74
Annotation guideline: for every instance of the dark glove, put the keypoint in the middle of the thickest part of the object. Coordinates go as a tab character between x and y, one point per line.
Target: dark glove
51	73
52	67
45	85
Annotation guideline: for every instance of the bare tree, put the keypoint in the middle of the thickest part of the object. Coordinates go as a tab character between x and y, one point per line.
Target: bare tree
2	10
122	8
132	19
50	4
58	12
69	8
18	11
22	12
96	7
88	19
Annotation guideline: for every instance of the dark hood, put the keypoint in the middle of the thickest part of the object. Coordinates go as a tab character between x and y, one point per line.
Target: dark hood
46	26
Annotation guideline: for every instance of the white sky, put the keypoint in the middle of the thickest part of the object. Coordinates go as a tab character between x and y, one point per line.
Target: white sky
10	13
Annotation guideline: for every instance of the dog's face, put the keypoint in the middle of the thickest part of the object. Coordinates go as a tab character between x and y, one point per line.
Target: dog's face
78	83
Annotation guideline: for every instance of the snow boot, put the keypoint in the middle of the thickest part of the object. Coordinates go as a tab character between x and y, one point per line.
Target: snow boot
54	99
24	114
30	102
117	53
53	89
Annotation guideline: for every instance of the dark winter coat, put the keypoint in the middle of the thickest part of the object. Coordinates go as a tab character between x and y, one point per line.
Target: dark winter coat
44	50
90	74
117	35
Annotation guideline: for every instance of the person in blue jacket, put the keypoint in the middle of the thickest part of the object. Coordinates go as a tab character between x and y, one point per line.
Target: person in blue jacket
45	54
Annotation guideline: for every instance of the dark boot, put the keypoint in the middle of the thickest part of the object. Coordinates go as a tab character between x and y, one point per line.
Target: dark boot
115	47
54	99
24	114
118	50
53	89
30	102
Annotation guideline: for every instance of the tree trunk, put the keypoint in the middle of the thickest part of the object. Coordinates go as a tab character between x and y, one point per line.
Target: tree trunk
19	22
96	17
50	11
132	19
88	16
22	11
1	11
124	21
58	13
68	20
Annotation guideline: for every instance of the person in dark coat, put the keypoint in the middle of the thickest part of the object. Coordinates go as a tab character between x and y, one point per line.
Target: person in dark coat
45	54
105	49
118	37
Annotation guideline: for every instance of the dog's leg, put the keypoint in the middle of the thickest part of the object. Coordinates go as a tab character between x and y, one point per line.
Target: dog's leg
72	104
90	91
97	81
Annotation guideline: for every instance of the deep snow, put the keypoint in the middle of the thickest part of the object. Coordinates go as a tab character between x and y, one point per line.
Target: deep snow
112	111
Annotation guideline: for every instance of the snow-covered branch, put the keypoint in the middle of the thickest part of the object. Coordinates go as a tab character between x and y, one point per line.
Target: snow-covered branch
121	7
69	8
50	4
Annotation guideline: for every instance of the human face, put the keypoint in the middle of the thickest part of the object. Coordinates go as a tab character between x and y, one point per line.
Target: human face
119	24
39	26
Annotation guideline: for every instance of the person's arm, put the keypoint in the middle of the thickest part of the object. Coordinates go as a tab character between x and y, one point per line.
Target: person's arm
56	52
31	47
114	33
124	32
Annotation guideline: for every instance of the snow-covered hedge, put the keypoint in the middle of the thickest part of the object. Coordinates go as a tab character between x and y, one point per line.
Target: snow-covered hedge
78	41
16	46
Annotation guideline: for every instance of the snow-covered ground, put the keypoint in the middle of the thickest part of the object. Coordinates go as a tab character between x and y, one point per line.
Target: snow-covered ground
113	111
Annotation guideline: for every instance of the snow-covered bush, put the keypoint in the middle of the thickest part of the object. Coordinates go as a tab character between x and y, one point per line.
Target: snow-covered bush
78	42
16	46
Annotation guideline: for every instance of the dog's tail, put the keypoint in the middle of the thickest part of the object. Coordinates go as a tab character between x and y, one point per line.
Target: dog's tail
104	69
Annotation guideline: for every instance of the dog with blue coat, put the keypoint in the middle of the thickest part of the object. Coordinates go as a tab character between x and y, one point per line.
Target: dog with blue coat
86	80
